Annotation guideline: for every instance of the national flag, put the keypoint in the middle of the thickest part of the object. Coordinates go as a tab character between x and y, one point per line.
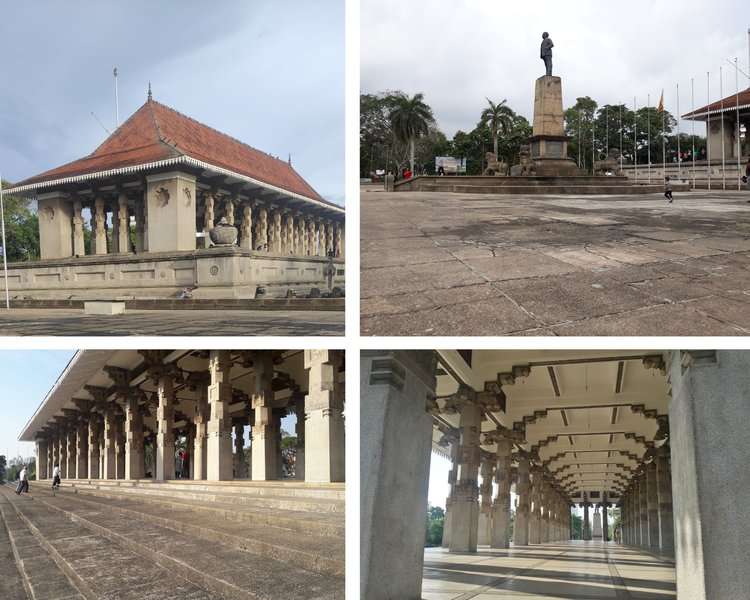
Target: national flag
661	103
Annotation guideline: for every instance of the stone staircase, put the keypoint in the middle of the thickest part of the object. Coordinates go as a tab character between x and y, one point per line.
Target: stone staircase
208	540
576	185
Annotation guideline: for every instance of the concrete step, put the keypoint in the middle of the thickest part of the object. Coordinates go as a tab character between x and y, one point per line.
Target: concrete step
551	189
267	501
219	571
91	565
324	523
26	570
323	554
287	487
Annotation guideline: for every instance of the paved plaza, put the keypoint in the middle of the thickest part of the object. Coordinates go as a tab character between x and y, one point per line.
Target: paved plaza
73	322
437	263
580	570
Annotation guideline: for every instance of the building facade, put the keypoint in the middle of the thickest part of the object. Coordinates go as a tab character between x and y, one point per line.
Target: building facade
166	203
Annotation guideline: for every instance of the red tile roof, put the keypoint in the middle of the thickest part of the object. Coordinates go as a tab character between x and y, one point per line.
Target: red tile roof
157	132
729	103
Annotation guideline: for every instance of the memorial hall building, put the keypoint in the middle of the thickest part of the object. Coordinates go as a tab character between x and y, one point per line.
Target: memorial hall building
172	204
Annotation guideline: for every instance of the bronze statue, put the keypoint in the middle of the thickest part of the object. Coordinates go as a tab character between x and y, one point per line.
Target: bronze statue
546	52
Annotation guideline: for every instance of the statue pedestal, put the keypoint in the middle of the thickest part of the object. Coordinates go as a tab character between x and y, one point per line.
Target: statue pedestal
549	144
597	535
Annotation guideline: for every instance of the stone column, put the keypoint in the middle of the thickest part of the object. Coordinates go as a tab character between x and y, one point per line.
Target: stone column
140	227
94	435
452	478
545	520
134	451
710	444
652	506
62	452
605	523
240	472
501	506
283	230
261	229
110	437
329	238
82	447
98	230
644	510
246	227
586	521
486	470
324	426
535	500
50	454
41	458
201	423
120	443
209	216
291	246
219	430
523	488
299	463
465	507
276	229
71	450
264	446
79	249
310	237
396	389
664	488
165	429
229	205
123	221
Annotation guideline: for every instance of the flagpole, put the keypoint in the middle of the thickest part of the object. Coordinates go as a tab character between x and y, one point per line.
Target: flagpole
5	252
723	153
737	133
606	121
579	138
620	138
593	141
635	139
679	155
692	122
708	127
663	142
648	122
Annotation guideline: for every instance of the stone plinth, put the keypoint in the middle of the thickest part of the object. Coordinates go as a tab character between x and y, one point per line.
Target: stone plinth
549	144
170	210
55	226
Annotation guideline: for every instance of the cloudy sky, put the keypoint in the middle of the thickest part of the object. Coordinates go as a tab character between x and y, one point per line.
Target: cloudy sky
270	73
459	52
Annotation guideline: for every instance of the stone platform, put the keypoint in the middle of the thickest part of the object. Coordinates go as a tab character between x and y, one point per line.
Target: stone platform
520	185
212	273
181	539
442	263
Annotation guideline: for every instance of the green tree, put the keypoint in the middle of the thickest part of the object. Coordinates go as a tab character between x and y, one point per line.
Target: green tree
3	465
410	118
499	119
21	228
576	526
435	522
579	123
375	134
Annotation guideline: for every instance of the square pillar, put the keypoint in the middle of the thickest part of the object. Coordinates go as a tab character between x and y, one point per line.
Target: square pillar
82	447
79	248
465	506
219	430
71	450
501	505
94	441
523	487
450	439
123	225
110	443
199	443
41	458
643	508
134	451
486	469
120	443
264	434
396	390
170	199
299	462
664	487
710	445
55	213
246	227
261	230
324	419
652	502
165	429
62	451
240	472
99	227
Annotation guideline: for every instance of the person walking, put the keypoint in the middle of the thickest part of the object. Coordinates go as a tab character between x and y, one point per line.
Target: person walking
23	482
56	477
668	189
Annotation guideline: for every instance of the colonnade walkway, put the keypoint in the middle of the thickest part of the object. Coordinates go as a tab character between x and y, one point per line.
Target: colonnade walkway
591	570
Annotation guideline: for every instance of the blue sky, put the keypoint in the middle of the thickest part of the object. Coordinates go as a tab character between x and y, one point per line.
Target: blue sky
269	73
27	376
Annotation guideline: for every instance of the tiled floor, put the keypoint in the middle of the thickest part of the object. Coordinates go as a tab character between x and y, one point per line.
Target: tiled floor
585	570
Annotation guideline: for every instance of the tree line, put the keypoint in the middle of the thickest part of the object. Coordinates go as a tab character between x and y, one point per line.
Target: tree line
397	130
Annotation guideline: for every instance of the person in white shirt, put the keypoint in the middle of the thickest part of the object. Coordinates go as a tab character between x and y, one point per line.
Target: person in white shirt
56	477
23	482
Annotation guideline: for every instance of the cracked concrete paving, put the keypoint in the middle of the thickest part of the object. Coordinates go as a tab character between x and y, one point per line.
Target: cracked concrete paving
437	263
73	322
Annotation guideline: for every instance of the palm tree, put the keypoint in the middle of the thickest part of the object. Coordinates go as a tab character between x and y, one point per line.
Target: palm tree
410	118
499	118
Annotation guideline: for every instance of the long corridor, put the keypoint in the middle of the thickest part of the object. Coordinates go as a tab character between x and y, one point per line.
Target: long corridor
571	570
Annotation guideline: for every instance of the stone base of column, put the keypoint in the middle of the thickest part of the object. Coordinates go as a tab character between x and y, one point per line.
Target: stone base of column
484	530
464	525
219	456
500	524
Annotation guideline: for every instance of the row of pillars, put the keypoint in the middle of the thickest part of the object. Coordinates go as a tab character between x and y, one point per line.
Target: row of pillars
647	519
106	439
542	513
